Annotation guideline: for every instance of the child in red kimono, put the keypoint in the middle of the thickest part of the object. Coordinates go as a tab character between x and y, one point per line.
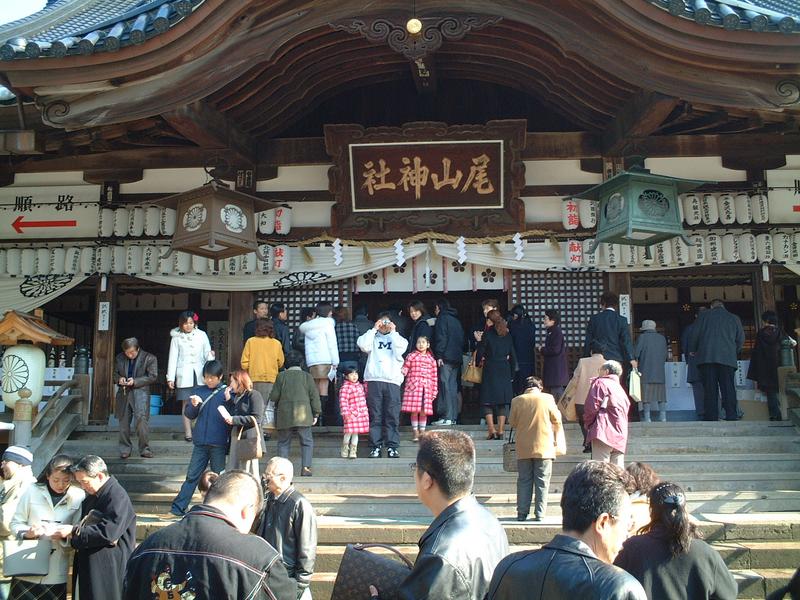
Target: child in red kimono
353	405
421	385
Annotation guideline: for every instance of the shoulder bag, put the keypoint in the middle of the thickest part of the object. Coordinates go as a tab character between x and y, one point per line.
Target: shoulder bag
204	402
251	446
361	568
510	454
26	557
473	373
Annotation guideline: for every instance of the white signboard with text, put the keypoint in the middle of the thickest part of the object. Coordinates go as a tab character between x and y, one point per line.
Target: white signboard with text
784	195
49	212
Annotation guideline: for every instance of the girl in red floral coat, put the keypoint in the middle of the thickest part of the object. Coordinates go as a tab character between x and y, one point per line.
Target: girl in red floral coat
421	385
353	405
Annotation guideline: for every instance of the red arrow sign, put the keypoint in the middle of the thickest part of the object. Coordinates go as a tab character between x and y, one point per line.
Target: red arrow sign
19	224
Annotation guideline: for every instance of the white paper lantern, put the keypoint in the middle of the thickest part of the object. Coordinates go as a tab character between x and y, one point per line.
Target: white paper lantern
248	263
680	251
27	362
199	265
697	250
744	209
726	206
104	259
133	262
796	246
169	218
13	261
106	222
643	252
713	248
628	255
265	266
283	258
136	221
43	261
213	266
58	259
589	258
730	247
709	209
152	220
764	247
692	212
3	262
283	220
759	205
87	260
781	246
121	222
165	263
119	259
72	261
182	262
570	217
150	256
610	255
28	262
266	222
573	254
747	248
588	213
664	253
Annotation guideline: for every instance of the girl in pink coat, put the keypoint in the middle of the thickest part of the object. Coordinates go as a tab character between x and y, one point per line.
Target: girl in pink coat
421	385
353	405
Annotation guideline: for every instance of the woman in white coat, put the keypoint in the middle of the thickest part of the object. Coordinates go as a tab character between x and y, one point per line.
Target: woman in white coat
321	349
48	509
189	349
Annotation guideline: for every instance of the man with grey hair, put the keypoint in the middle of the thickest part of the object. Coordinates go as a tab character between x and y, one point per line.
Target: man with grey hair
134	372
289	524
106	535
605	415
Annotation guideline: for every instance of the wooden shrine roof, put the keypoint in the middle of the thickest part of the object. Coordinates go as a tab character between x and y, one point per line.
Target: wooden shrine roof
753	15
16	326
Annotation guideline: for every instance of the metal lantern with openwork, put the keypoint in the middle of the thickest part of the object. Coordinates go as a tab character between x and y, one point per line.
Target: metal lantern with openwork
215	221
639	208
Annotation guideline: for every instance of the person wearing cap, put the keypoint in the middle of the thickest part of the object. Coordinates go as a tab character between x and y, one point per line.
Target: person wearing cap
651	354
18	477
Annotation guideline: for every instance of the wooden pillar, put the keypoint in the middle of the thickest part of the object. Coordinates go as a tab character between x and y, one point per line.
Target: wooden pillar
103	351
240	312
763	292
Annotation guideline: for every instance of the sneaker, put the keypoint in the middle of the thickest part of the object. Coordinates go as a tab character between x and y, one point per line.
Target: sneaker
392	453
521	517
305	472
440	422
375	452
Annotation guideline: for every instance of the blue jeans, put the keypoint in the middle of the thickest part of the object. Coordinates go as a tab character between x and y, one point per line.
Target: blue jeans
448	392
201	456
533	479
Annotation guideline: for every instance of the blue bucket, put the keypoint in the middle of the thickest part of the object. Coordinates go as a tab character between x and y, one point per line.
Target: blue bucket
155	404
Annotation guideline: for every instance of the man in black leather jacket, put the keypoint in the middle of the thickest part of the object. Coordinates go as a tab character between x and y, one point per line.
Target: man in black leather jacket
289	524
576	564
459	551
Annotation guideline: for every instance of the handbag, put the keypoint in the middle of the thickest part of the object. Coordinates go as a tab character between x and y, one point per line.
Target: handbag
473	373
566	404
361	568
26	557
251	446
635	386
269	416
510	454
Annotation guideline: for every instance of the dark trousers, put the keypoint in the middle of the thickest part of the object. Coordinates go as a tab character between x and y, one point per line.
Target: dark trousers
140	411
773	404
383	403
533	479
306	443
718	377
699	395
448	392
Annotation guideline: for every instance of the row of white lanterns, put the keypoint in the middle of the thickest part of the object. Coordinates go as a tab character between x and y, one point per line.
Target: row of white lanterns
708	249
708	209
136	260
137	221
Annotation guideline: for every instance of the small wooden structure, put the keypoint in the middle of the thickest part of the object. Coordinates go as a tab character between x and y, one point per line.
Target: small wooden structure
17	326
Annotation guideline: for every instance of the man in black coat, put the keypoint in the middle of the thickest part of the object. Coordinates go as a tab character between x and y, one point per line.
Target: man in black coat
106	535
210	554
448	344
260	311
610	329
134	371
279	316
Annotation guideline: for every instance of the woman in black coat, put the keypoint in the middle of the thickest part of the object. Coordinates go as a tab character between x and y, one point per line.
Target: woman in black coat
523	332
248	404
765	360
554	371
499	364
420	327
669	559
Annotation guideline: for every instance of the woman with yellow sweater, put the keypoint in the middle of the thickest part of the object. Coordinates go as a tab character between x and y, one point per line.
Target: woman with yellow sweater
262	357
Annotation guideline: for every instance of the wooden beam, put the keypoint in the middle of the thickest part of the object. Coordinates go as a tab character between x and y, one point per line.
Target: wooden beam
639	117
204	125
240	311
553	146
100	176
162	157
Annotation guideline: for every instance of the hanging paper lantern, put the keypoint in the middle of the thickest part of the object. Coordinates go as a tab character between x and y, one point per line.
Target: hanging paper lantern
119	259
43	261
248	263
709	209
121	222
781	246
726	206
103	259
182	262
150	260
588	213
136	221
589	258
680	251
730	247
609	255
570	217
213	266
266	222
231	265
714	248
283	220
106	222
282	259
664	253
169	219
87	260
796	246
759	205
165	263
72	261
265	266
744	209
58	259
199	264
133	262
3	262
764	247
573	254
692	213
628	255
747	248
152	220
697	250
28	262
646	255
13	261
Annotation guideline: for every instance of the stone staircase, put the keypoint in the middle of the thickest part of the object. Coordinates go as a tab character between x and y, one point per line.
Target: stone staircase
742	479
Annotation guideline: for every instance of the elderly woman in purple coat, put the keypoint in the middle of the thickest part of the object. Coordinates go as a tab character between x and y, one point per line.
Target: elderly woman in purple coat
554	372
605	415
